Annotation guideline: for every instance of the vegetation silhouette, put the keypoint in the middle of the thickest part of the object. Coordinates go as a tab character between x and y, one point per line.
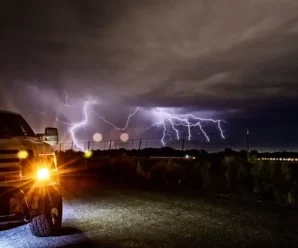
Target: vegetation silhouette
229	172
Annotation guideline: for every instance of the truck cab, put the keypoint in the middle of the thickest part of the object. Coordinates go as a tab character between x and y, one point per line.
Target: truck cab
29	178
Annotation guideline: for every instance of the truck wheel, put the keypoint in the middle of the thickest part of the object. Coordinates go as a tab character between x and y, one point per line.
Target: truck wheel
50	222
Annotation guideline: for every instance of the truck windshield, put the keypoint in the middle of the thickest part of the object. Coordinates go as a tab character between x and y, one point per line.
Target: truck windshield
12	125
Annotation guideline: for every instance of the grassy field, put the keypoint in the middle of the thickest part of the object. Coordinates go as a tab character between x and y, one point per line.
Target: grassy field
220	173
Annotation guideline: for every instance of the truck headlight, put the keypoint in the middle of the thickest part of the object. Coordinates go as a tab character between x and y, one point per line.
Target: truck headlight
23	154
43	174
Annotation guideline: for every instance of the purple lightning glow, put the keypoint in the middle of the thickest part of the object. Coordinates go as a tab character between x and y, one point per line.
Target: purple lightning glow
40	112
175	120
118	128
169	122
185	120
75	126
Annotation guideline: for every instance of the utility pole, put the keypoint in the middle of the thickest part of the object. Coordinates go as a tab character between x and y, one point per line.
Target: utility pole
247	143
183	141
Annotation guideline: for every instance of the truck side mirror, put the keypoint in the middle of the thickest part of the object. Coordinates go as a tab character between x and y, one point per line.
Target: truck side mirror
50	136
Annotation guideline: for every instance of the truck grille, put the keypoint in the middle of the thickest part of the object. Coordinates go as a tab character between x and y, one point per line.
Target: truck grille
11	167
11	156
10	173
9	152
9	160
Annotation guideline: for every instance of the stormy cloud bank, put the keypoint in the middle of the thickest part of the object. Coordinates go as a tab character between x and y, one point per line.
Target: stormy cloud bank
221	55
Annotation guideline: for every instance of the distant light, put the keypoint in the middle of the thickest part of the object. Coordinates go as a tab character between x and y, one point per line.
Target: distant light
88	154
187	156
124	137
193	157
97	137
22	154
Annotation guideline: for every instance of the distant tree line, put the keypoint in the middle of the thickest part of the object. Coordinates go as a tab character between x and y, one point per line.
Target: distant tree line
226	172
171	152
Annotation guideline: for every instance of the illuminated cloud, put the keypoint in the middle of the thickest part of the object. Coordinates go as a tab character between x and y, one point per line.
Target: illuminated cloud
219	52
232	57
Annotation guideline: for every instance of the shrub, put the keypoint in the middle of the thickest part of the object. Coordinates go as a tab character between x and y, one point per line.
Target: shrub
176	172
158	173
205	174
227	171
230	172
273	180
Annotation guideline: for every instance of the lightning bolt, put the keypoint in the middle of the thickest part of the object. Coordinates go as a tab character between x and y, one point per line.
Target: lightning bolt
118	128
167	120
185	120
75	126
40	112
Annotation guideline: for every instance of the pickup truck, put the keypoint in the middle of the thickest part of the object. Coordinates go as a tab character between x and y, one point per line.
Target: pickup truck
30	188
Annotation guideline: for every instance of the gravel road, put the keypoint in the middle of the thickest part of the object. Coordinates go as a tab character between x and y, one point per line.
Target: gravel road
97	216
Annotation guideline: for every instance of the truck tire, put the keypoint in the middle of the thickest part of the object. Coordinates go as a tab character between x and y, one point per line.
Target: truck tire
48	223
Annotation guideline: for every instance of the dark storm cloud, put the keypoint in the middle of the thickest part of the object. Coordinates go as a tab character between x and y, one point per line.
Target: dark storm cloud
211	54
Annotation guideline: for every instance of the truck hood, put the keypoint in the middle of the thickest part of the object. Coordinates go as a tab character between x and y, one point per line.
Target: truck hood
25	143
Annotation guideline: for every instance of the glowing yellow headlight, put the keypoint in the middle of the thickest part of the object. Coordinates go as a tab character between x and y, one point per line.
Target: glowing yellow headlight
43	174
22	154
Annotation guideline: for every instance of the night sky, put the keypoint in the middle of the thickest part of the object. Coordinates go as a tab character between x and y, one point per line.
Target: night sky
230	59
